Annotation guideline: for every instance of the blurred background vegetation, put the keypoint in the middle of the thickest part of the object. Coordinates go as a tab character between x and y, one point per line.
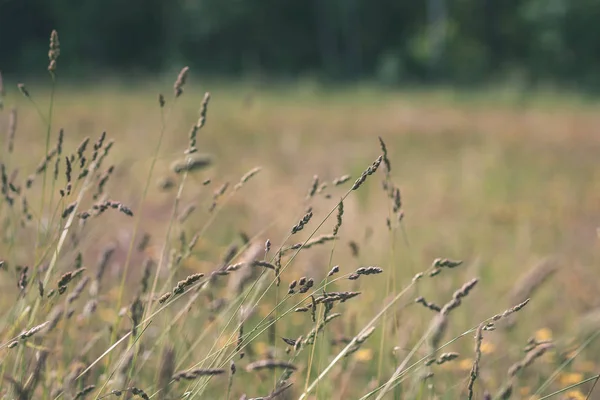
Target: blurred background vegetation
395	42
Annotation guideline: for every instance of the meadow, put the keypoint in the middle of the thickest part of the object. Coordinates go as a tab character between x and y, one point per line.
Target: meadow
295	241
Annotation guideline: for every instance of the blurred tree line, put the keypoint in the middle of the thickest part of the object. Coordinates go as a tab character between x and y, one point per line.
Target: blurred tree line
460	41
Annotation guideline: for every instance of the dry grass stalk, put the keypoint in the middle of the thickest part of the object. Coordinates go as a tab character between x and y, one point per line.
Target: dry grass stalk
341	180
264	264
102	182
29	333
196	373
386	161
312	242
369	171
133	390
431	306
66	278
84	392
313	187
54	51
475	367
6	186
269	364
187	282
78	290
185	214
180	82
305	284
364	271
69	209
247	176
340	213
198	125
446	357
300	225
485	325
23	278
217	195
99	208
164	297
191	163
458	296
336	296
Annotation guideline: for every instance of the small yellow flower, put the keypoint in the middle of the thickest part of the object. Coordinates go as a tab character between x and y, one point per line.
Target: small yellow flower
544	334
465	364
524	391
586	366
574	395
570	378
363	355
487	347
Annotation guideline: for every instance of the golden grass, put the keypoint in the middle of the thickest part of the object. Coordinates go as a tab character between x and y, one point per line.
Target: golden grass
503	186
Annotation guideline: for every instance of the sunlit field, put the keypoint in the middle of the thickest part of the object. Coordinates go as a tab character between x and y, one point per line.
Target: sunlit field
478	203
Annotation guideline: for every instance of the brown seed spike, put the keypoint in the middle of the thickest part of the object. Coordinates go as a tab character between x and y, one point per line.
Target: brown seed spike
54	51
269	364
386	161
180	82
164	297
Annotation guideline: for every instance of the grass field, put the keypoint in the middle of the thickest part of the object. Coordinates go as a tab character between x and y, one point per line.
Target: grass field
507	184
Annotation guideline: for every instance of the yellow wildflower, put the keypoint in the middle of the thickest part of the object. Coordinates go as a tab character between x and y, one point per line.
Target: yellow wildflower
570	378
465	364
487	347
543	335
363	355
574	395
